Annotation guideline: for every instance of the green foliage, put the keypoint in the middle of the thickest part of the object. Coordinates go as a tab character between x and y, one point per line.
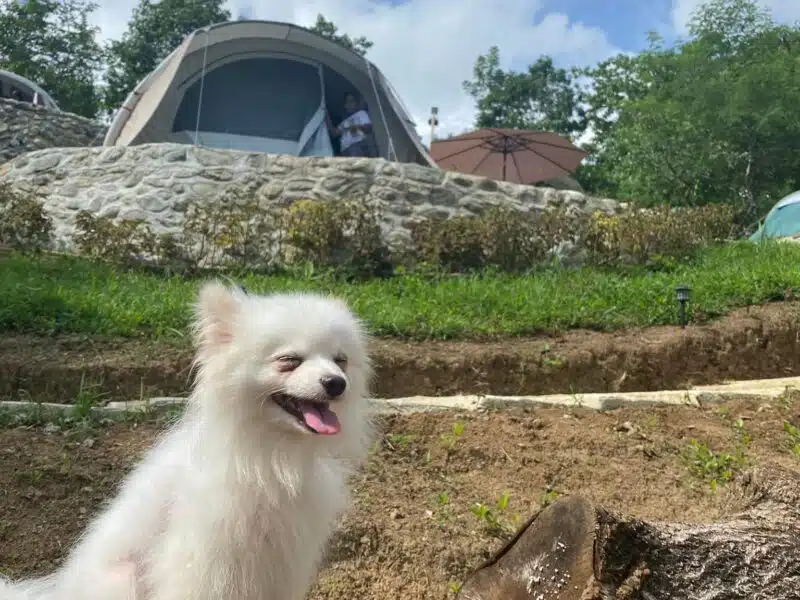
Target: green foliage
344	235
24	223
508	240
792	438
325	28
452	244
123	242
543	98
715	468
51	42
655	235
718	468
495	518
155	29
712	119
502	238
234	231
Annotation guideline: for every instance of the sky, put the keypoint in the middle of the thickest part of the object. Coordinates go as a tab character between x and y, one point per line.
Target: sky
427	48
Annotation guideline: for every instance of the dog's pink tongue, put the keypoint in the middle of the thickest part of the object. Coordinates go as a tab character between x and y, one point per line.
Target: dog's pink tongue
320	418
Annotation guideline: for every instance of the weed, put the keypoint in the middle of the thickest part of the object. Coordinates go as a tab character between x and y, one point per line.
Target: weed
548	496
399	440
793	435
495	519
715	468
86	399
450	440
548	359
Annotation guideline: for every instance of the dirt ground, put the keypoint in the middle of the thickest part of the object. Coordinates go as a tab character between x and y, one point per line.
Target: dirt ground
760	342
412	532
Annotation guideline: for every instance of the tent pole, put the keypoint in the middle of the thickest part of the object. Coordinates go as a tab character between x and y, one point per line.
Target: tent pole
505	155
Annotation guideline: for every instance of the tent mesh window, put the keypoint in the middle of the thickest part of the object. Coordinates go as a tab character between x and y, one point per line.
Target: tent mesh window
261	97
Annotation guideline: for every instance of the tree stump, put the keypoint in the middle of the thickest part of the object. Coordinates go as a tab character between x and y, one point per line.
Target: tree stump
575	550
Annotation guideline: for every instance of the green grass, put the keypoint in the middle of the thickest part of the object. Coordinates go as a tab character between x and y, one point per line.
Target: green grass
57	294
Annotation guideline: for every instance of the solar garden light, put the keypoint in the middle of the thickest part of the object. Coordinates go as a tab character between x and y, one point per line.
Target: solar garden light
682	293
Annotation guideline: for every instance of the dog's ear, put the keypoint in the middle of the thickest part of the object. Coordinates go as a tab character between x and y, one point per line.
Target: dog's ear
215	313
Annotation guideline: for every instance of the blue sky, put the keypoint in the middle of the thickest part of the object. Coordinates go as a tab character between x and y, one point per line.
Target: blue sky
626	22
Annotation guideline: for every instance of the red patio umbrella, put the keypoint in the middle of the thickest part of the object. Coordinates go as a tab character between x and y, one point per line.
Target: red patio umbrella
516	155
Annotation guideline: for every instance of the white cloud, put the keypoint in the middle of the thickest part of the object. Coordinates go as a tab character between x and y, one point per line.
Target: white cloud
426	48
783	11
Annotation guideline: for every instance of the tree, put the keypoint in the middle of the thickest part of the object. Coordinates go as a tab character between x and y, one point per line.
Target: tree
709	120
544	97
578	549
51	42
325	28
155	29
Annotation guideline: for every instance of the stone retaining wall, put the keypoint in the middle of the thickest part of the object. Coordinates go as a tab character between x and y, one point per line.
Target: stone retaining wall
25	127
155	182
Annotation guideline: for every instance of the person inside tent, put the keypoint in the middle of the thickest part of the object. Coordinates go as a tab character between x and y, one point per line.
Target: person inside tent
353	132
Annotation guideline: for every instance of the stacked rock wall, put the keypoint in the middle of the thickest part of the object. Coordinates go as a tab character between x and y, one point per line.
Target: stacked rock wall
25	127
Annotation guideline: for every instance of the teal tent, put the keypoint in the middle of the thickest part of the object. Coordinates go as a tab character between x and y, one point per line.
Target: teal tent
782	221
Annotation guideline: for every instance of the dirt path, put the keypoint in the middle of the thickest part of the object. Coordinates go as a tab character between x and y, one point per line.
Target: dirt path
411	532
760	342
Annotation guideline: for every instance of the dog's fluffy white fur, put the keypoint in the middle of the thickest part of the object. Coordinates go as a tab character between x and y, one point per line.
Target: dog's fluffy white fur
238	499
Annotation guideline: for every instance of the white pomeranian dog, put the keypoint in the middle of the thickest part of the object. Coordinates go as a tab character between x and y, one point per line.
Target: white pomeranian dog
237	501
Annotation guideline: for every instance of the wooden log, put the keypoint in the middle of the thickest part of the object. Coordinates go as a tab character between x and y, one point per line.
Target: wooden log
575	550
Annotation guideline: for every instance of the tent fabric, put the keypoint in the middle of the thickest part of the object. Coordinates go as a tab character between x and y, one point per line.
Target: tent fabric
27	88
783	220
263	84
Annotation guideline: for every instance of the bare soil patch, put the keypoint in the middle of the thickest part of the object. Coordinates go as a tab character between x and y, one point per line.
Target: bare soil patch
411	532
759	342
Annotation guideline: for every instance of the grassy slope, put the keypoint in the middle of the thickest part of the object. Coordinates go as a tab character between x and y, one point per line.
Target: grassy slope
69	295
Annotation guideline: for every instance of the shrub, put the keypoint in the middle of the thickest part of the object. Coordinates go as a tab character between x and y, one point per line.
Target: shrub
234	231
124	242
24	224
502	237
452	244
651	235
514	241
344	235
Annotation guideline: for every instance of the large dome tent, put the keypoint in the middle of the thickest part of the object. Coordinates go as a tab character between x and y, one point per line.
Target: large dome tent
26	90
262	86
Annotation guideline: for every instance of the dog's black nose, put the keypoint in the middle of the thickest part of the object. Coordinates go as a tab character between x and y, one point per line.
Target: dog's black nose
334	385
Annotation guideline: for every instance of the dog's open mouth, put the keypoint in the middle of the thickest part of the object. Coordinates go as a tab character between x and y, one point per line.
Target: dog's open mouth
315	416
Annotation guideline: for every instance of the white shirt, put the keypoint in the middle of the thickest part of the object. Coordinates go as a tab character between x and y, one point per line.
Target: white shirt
359	117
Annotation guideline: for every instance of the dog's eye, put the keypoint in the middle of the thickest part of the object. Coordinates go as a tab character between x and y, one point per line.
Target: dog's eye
289	363
341	362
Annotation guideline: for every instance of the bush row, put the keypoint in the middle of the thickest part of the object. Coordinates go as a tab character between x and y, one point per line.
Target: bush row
236	233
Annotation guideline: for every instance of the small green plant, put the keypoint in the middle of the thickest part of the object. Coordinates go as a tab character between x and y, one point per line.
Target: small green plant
495	519
443	499
548	359
86	399
549	495
400	440
713	467
793	435
454	587
33	477
450	440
